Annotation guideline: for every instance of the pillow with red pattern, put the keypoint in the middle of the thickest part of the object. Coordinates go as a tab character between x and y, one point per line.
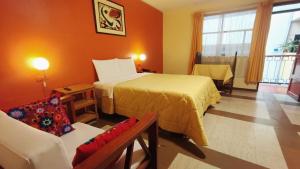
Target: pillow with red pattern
90	147
48	115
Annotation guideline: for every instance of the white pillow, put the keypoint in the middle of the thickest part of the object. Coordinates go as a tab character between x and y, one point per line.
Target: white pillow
126	66
107	70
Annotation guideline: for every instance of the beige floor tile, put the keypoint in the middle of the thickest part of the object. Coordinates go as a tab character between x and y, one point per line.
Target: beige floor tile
258	95
252	142
292	112
246	107
284	98
182	161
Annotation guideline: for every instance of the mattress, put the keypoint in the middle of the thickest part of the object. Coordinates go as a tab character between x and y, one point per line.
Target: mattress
104	91
179	100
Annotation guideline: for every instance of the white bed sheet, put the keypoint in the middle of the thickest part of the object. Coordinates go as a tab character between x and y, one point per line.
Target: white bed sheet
107	88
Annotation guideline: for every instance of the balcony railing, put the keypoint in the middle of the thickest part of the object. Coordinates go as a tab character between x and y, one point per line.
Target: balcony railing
278	68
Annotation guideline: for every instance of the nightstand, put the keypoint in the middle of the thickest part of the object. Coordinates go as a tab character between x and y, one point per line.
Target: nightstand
83	102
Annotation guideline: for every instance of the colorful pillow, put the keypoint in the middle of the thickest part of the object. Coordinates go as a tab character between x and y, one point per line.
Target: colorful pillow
87	149
48	115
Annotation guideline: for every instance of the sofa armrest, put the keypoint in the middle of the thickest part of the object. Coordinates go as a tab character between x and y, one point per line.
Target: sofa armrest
104	157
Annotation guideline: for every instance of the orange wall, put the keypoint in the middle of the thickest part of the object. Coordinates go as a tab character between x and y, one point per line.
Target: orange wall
64	32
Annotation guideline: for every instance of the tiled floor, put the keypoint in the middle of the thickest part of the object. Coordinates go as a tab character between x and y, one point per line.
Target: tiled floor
284	98
245	107
246	130
292	112
273	88
256	143
277	144
180	162
256	95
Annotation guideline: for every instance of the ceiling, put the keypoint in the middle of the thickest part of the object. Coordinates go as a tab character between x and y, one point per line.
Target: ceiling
164	5
171	4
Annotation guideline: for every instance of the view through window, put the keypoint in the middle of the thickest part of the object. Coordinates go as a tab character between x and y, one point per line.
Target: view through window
282	43
227	33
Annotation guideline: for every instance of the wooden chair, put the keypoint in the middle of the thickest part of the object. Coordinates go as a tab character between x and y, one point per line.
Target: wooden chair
224	88
227	88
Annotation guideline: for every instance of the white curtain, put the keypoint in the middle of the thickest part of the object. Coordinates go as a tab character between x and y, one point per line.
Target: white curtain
225	34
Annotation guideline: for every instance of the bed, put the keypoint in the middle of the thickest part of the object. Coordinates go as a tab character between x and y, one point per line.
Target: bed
179	100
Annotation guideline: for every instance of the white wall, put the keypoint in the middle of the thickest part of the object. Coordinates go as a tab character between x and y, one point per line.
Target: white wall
295	29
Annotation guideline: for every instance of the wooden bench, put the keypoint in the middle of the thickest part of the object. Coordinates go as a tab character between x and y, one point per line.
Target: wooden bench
103	158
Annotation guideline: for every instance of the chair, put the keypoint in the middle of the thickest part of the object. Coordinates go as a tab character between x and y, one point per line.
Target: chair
198	58
227	88
24	147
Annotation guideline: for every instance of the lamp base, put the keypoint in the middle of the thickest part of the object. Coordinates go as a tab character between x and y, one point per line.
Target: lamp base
139	68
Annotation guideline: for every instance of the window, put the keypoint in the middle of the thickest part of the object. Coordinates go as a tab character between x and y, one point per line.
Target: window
284	27
282	43
225	34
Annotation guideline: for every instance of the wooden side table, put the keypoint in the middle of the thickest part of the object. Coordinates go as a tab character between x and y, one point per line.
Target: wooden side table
83	102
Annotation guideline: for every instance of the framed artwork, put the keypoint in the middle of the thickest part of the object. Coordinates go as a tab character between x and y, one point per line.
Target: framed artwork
110	17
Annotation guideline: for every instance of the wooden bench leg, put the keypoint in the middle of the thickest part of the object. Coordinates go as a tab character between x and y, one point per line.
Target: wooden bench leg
128	159
143	145
153	141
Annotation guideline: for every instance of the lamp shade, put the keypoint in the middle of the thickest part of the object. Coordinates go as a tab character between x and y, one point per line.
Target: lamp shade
134	56
40	63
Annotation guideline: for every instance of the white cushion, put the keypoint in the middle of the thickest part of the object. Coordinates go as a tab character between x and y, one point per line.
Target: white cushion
126	67
107	70
80	135
23	146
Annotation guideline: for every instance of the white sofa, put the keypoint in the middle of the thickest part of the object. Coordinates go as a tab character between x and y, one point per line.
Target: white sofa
24	147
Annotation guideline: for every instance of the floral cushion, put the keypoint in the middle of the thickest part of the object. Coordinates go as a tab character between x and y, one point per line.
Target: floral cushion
90	147
48	115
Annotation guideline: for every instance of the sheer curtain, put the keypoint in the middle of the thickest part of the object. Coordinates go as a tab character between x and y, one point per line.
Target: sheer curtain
225	34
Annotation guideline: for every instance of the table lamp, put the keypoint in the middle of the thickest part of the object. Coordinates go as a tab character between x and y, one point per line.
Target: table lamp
139	59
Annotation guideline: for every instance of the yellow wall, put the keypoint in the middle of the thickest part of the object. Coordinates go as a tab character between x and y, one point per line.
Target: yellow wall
177	34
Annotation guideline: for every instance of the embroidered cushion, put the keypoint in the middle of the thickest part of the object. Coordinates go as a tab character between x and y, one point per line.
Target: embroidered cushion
87	149
47	115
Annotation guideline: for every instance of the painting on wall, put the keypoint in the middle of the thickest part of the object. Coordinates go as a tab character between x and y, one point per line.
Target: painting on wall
110	17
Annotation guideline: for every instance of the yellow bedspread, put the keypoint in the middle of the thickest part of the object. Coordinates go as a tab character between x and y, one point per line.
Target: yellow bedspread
179	100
